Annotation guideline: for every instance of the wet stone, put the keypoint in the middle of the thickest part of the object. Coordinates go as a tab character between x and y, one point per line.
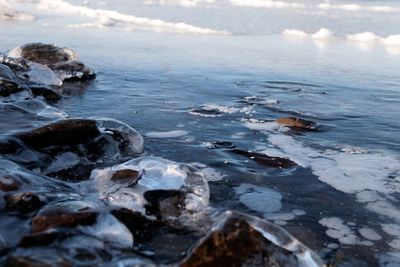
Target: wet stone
38	239
9	183
165	203
62	61
62	217
65	132
276	162
139	225
48	260
297	123
47	93
237	243
128	176
23	202
8	88
265	159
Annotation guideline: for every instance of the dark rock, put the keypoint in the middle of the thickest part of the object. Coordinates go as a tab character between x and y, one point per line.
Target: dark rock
235	242
8	88
260	158
23	202
6	73
206	112
48	260
141	227
45	92
9	183
128	176
16	261
297	123
265	159
164	203
62	60
38	239
65	132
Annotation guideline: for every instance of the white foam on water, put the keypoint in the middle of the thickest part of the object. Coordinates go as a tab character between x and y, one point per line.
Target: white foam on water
259	199
109	18
168	134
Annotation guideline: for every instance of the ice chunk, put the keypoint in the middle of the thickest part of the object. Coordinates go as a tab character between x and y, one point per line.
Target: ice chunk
259	199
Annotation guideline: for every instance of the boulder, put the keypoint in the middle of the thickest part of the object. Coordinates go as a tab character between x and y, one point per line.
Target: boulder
242	240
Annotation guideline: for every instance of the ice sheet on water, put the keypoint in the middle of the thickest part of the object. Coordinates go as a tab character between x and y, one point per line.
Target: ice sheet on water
168	134
259	199
111	19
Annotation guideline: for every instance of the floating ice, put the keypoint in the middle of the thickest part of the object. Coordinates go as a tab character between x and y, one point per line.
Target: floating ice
169	134
368	38
215	110
369	234
338	230
259	199
363	173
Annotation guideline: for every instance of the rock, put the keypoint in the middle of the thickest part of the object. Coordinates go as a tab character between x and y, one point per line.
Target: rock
261	158
70	149
128	176
47	93
165	203
8	88
265	159
65	132
23	202
41	260
141	227
297	123
9	183
64	214
63	61
241	240
38	239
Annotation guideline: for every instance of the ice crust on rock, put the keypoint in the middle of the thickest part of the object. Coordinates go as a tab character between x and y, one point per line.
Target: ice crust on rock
155	174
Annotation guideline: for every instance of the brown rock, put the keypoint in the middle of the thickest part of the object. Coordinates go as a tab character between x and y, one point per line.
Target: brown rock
297	123
126	176
62	218
65	132
235	242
